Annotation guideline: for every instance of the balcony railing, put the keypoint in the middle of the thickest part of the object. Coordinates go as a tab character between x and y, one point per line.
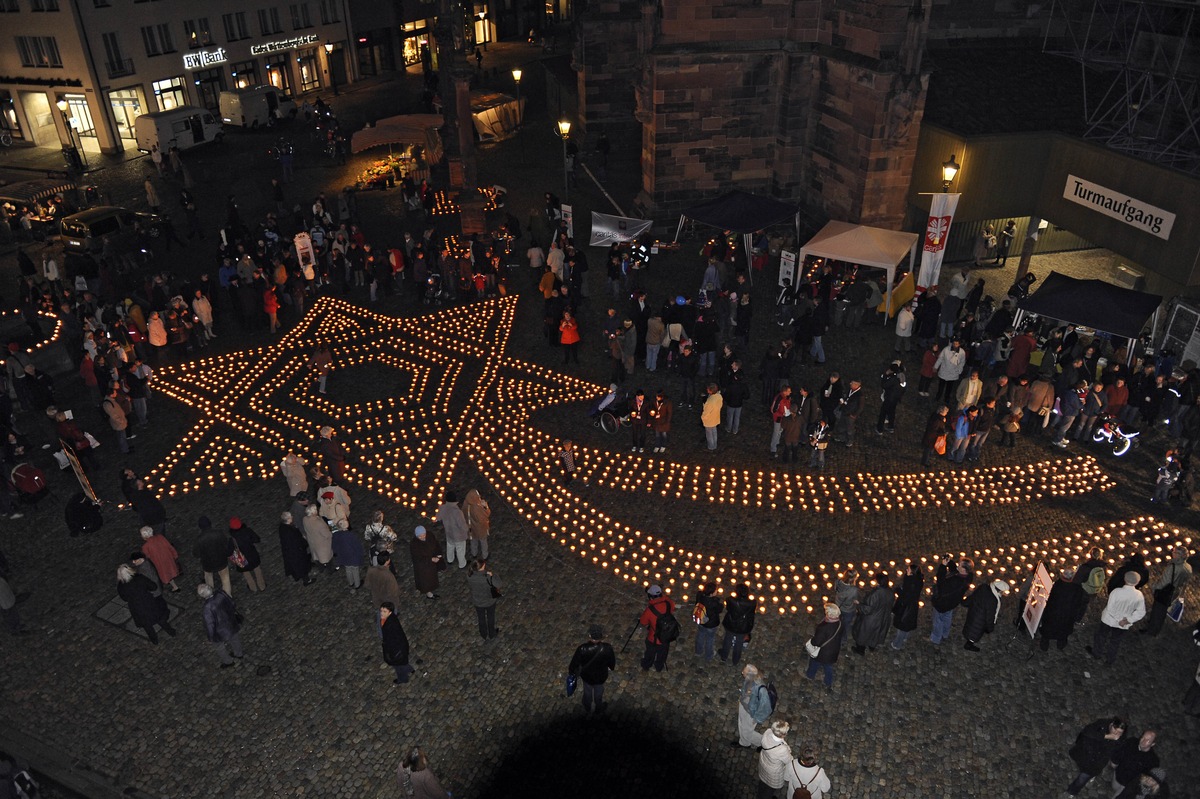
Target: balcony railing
120	67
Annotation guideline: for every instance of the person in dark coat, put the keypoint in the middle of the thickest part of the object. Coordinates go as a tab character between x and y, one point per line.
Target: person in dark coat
213	548
983	609
871	623
245	540
395	643
592	662
296	559
1064	608
427	561
221	623
149	509
1093	750
1134	562
146	604
907	604
827	641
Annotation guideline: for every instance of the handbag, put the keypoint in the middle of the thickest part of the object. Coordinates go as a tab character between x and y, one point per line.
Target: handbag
237	558
1175	612
572	681
939	444
495	591
813	651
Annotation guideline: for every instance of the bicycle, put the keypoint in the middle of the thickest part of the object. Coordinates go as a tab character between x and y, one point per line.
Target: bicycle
6	139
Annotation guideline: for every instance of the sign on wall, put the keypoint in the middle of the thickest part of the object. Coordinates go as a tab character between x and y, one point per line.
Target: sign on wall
283	44
204	58
1135	213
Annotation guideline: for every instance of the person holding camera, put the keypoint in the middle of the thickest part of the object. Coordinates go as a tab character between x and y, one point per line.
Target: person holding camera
948	592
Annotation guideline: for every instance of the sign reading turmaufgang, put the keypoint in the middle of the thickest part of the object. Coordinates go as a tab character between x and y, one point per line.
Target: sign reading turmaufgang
1135	213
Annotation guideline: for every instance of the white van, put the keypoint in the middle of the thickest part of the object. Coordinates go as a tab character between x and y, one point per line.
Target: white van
255	106
184	127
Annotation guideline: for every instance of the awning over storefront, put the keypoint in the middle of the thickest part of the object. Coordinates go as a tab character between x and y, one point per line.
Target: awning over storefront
419	129
28	192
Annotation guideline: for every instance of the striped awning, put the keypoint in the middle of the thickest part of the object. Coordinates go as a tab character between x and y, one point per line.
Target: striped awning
30	191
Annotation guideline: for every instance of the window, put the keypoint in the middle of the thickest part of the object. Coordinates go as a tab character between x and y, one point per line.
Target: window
157	39
268	21
169	93
38	51
245	73
43	5
117	64
9	6
330	11
235	26
300	19
197	33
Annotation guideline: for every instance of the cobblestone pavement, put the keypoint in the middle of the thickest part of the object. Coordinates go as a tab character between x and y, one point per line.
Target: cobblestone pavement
312	709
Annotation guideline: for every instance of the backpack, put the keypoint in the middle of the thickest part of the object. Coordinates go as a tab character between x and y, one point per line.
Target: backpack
700	614
666	629
1095	581
28	479
772	695
803	792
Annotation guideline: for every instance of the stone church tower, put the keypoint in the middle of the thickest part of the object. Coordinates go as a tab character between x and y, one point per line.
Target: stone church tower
817	101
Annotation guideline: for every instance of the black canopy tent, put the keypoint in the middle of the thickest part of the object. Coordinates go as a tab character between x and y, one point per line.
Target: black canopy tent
742	212
1095	304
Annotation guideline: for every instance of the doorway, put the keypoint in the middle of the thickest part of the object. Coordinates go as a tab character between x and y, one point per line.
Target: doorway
126	107
40	119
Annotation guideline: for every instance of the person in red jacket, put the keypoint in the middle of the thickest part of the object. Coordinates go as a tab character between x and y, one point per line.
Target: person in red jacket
657	648
1118	398
1018	360
271	308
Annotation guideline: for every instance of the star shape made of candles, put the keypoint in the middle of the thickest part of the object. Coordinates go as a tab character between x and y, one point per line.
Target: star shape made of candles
422	389
430	390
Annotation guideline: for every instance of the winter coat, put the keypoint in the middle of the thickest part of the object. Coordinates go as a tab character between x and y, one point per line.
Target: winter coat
1064	607
454	523
950	363
479	516
480	586
145	607
593	661
828	637
793	429
982	609
220	621
871	623
846	596
1092	751
950	587
710	414
159	551
395	642
773	760
213	547
245	538
319	538
907	605
382	585
662	416
425	571
739	616
293	547
292	469
347	548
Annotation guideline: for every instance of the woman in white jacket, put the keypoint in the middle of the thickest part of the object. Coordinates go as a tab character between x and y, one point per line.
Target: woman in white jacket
774	760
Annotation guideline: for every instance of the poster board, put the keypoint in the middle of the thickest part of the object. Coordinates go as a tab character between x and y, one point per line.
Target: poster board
1035	603
304	254
568	218
787	267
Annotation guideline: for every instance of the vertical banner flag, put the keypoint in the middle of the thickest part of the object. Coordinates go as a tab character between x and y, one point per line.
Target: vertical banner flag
568	218
941	213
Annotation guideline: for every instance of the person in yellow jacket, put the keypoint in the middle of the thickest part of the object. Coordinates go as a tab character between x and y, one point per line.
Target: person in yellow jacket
710	416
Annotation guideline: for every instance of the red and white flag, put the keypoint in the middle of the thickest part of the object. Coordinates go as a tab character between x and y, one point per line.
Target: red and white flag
941	214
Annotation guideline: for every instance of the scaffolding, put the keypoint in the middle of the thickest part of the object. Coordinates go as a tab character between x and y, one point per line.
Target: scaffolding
1140	62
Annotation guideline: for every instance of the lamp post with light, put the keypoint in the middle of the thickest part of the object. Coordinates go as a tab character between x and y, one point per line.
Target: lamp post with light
66	118
564	131
329	63
949	170
516	73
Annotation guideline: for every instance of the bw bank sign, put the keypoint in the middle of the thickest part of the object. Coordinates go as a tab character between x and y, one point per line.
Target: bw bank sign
1134	213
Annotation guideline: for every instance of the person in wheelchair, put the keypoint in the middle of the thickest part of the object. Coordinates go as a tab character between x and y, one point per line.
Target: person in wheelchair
615	402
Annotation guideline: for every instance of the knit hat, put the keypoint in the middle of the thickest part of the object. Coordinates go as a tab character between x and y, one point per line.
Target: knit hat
327	495
595	632
204	523
654	591
235	523
420	531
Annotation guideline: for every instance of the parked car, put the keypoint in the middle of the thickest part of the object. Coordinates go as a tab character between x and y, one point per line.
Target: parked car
87	230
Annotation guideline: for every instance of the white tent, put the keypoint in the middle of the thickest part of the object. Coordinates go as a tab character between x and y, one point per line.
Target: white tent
866	246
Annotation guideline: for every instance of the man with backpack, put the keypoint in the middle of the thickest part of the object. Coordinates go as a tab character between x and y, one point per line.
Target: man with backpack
738	623
707	615
592	662
661	628
755	706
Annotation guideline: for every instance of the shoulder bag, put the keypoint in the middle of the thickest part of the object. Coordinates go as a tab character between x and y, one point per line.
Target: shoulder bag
813	650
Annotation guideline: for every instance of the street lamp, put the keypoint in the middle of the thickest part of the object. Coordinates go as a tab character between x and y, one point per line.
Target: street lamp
62	108
516	73
949	170
329	63
564	130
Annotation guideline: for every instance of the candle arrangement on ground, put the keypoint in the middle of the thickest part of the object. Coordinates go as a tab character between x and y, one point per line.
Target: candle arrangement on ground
464	396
